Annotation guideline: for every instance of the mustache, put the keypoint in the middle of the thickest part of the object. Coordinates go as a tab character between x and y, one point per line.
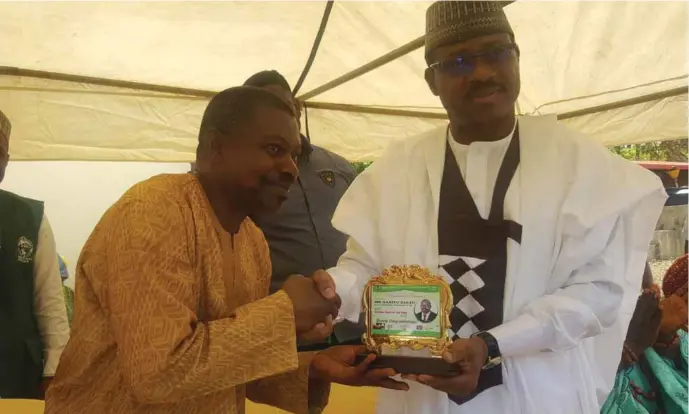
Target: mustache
282	179
477	87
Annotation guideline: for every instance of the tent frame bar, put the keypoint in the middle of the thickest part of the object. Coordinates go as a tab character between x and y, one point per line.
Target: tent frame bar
366	68
374	110
670	93
200	93
315	46
565	115
64	77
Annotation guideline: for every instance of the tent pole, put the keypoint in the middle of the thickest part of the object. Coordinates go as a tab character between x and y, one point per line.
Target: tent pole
374	64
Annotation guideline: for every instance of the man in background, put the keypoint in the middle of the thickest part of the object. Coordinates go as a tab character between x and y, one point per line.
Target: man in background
300	235
33	318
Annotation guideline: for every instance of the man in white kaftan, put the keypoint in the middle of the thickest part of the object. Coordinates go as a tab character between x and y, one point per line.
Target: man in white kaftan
571	275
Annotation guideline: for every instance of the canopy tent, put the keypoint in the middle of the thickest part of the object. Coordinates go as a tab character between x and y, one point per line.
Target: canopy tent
128	81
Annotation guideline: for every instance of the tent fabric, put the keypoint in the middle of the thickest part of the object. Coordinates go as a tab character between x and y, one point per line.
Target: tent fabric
618	62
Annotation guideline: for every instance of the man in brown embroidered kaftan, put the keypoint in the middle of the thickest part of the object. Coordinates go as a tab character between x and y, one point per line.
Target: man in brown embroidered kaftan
172	312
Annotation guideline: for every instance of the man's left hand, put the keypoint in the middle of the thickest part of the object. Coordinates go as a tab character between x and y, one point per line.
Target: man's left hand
336	364
469	355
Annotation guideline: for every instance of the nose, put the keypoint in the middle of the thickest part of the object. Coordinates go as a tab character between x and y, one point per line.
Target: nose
289	168
483	71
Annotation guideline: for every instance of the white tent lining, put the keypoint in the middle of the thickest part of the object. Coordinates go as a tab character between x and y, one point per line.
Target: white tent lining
577	63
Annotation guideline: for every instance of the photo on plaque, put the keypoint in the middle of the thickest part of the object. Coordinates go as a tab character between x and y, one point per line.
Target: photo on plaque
408	306
405	310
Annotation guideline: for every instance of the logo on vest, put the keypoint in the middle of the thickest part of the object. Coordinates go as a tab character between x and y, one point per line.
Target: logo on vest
24	250
328	177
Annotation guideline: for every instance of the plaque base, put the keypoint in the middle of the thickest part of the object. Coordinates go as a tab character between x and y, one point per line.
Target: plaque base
412	365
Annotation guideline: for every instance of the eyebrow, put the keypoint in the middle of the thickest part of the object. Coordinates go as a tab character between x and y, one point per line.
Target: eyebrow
494	40
478	49
275	136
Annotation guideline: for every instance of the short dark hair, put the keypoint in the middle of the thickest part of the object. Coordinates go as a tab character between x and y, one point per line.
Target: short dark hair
267	77
234	107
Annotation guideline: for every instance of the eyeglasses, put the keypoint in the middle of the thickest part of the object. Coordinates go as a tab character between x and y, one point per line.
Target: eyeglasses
465	65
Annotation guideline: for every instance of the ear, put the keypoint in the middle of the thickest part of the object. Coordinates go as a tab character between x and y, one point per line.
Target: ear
429	75
298	107
213	144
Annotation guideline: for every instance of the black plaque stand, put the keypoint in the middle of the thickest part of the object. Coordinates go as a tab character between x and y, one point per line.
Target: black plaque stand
411	365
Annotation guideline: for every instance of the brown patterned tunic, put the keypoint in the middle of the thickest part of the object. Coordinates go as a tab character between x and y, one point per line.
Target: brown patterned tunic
172	314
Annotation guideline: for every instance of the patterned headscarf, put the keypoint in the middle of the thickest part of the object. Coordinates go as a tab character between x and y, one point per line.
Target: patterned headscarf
449	22
675	277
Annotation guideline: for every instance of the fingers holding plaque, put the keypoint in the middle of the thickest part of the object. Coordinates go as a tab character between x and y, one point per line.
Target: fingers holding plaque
408	307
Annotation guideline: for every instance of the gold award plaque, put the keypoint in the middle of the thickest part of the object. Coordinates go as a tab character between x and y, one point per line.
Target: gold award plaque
408	306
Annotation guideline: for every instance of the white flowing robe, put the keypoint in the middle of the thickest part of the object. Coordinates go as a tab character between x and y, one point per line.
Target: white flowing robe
587	218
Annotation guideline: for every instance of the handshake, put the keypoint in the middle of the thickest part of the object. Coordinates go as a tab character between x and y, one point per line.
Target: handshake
315	304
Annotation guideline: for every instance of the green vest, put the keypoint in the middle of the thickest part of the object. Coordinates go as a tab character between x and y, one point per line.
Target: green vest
21	348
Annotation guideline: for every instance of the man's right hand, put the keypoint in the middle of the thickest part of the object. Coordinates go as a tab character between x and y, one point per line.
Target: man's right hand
310	306
318	334
326	285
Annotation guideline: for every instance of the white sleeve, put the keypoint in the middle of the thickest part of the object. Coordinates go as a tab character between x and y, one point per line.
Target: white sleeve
354	269
49	302
601	271
583	307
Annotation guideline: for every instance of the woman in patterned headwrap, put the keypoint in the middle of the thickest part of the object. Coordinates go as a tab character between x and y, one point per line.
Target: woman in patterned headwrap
675	302
653	372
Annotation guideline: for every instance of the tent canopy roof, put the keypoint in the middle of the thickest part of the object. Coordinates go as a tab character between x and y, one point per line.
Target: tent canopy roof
606	68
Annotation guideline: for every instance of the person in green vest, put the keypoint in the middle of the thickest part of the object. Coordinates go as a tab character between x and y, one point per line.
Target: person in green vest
33	317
